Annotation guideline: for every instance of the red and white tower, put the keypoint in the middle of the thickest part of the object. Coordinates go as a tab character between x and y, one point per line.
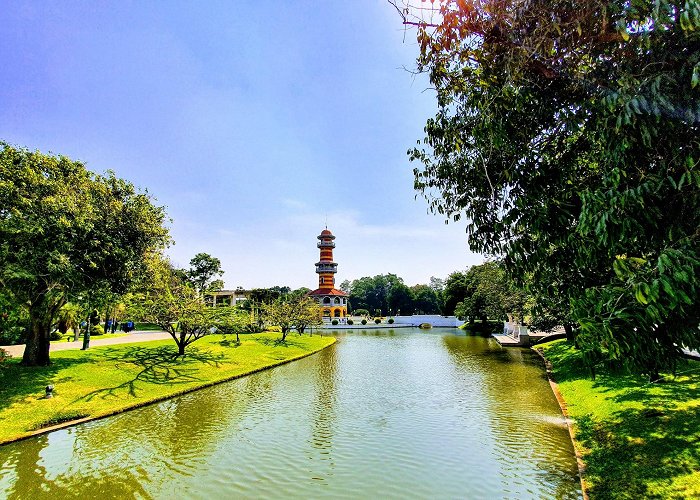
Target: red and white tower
333	302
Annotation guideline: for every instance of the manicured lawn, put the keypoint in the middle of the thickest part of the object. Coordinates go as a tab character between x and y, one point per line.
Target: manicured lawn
107	379
639	440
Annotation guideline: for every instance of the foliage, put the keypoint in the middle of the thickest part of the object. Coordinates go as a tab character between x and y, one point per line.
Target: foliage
426	300
290	312
233	322
364	321
334	322
351	322
567	133
69	317
308	312
381	294
203	272
377	321
4	357
639	440
361	312
14	319
65	231
109	379
489	294
390	321
175	306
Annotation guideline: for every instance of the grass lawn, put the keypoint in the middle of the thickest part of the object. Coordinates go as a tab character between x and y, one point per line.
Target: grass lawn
107	379
638	440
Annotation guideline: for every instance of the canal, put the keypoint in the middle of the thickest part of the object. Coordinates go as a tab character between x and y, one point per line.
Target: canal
401	413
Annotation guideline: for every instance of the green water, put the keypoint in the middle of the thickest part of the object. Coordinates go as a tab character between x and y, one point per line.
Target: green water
381	414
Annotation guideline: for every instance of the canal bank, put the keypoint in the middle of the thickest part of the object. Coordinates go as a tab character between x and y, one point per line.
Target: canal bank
636	439
392	413
110	379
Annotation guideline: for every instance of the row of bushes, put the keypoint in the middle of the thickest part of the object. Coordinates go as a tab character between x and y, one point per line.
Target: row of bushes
364	321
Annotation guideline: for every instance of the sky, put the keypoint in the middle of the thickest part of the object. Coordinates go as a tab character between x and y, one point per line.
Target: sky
254	123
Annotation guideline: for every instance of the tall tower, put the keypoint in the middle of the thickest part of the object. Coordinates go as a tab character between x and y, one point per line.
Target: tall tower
333	302
325	267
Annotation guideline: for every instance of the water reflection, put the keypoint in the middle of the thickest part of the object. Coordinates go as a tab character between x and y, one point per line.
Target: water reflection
399	413
533	441
323	414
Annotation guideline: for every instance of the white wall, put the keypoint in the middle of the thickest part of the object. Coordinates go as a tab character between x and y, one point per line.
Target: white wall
433	319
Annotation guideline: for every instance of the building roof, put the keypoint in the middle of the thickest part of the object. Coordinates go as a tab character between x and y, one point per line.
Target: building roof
326	231
328	291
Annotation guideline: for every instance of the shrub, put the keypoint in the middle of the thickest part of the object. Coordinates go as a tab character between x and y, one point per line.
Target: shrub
377	320
351	322
364	321
96	330
56	335
361	312
4	356
334	322
391	321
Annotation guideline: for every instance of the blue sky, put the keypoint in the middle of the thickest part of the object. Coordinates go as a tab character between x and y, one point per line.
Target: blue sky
253	122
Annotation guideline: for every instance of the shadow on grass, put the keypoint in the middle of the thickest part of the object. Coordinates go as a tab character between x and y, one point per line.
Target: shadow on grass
152	365
20	382
225	342
277	342
643	447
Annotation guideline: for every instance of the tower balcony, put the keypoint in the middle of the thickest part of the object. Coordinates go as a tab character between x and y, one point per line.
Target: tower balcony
326	267
325	244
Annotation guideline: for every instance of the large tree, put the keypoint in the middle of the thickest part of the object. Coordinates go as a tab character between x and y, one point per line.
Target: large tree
568	135
203	271
65	231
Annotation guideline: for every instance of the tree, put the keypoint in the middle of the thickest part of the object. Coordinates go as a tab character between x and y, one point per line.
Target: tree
567	133
69	318
400	299
286	313
308	314
374	293
490	294
175	306
456	290
64	231
14	319
203	270
425	300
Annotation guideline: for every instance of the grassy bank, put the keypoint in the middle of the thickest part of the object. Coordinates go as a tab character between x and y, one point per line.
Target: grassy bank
638	440
108	379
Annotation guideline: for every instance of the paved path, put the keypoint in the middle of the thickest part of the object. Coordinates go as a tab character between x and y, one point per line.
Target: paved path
135	336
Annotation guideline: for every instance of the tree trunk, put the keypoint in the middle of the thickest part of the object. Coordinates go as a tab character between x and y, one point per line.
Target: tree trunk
36	352
569	330
86	336
180	348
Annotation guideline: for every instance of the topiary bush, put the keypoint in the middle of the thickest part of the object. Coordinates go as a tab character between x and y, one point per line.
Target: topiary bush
55	335
377	320
391	321
351	322
364	321
96	330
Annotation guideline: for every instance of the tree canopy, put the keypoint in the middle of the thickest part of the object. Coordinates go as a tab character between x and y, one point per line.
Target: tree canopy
65	231
203	271
568	135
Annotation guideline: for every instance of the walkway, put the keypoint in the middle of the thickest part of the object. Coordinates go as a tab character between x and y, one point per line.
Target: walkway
135	336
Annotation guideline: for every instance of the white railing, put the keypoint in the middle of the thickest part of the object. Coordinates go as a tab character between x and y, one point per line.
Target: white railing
514	330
